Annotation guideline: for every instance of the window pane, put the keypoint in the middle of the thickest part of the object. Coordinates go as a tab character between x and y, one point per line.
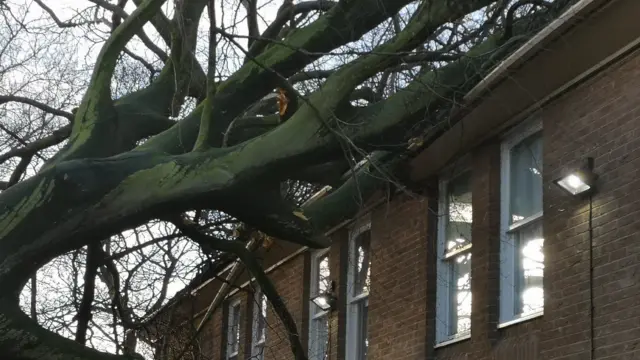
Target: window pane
322	274
362	263
460	296
258	353
234	329
263	317
363	318
526	178
459	213
260	317
319	343
530	291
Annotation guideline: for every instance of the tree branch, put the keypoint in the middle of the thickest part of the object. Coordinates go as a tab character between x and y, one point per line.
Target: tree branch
44	107
309	75
116	19
275	216
142	61
34	297
84	315
96	118
118	14
63	24
19	170
32	148
108	56
111	277
133	249
509	19
251	7
281	19
17	138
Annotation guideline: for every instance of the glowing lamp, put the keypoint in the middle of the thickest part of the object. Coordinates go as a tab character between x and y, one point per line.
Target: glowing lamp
326	300
579	181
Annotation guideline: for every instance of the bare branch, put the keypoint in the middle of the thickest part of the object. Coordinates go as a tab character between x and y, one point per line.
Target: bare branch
142	61
133	249
84	314
44	107
116	19
64	24
283	17
120	14
19	170
55	138
33	293
252	20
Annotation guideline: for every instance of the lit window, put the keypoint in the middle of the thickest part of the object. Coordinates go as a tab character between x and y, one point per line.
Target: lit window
359	283
259	326
453	313
233	331
522	258
319	324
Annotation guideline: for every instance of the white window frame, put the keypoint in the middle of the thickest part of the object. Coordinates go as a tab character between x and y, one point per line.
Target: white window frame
314	345
258	343
443	267
232	305
354	302
508	249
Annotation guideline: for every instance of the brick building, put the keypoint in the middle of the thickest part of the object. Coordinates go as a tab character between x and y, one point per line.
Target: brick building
489	259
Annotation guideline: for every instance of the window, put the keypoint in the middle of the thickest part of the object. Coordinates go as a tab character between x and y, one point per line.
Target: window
453	305
319	323
522	259
233	331
259	326
359	282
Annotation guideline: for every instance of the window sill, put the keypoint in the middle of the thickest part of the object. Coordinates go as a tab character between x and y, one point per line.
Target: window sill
358	297
520	319
452	341
319	314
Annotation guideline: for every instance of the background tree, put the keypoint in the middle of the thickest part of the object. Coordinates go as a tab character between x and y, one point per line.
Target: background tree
165	147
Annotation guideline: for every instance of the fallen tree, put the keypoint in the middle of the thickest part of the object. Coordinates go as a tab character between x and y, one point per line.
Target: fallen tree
234	148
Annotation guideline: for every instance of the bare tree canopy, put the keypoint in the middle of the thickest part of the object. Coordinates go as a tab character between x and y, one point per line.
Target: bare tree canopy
185	133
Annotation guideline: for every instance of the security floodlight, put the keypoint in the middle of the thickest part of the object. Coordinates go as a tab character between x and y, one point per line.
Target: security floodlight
579	181
325	301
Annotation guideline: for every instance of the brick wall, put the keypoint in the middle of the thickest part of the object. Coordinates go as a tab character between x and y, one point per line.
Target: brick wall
397	302
601	118
289	281
211	339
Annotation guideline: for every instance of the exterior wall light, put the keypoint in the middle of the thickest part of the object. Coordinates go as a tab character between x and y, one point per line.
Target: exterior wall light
580	181
326	300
